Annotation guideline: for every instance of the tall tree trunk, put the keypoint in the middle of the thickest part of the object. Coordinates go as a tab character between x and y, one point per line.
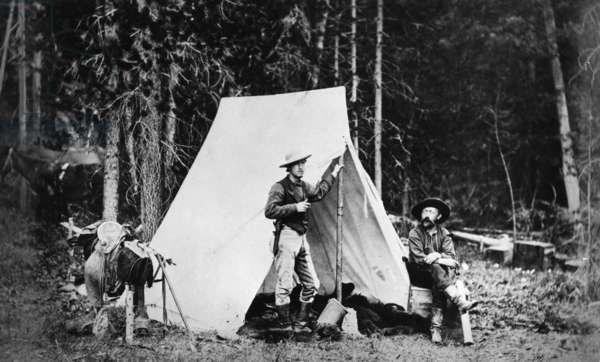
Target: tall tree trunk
151	177
5	43
319	44
590	118
36	94
407	180
569	168
354	89
111	169
336	59
168	143
130	147
508	179
531	71
151	173
336	45
378	96
22	73
406	196
110	192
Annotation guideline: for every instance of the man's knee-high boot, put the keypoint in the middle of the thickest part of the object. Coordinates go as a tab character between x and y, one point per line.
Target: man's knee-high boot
459	299
437	318
283	322
302	318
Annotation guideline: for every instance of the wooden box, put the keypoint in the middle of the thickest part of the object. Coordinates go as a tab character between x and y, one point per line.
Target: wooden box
501	254
533	254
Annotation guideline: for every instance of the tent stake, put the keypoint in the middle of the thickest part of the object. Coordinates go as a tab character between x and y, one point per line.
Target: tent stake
340	213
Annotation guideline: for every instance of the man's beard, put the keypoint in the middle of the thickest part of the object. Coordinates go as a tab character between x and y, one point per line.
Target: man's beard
427	223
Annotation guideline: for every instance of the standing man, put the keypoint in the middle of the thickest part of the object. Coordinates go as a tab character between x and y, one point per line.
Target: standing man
288	204
432	260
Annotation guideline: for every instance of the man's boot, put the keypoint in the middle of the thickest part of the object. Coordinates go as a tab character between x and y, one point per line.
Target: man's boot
283	322
459	299
302	318
437	318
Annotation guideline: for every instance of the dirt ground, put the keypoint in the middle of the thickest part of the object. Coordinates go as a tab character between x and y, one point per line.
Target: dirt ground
33	313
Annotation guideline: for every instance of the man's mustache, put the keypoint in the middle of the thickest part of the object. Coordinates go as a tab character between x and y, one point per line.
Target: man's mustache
426	220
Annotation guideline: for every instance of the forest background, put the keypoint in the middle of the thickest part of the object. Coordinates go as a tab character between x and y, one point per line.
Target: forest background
493	106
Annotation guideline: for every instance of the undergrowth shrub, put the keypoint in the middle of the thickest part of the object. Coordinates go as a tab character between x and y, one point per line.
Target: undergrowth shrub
17	243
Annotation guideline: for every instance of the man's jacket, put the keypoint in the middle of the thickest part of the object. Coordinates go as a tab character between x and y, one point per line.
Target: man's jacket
284	195
421	243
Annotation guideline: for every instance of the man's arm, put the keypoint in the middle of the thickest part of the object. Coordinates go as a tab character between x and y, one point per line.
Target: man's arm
447	250
415	247
448	255
275	209
318	191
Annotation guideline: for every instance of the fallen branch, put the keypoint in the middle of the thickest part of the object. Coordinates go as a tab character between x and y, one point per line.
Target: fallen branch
488	231
484	240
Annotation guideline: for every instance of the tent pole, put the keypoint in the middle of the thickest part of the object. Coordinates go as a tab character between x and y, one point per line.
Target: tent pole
340	213
164	300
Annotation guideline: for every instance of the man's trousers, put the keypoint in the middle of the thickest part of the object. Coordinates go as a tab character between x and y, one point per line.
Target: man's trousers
435	276
294	256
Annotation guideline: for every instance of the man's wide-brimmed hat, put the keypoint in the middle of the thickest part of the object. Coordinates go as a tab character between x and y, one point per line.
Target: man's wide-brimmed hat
293	157
439	204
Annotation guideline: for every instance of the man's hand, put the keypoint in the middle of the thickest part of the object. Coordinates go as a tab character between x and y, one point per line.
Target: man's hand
303	206
447	262
336	170
432	257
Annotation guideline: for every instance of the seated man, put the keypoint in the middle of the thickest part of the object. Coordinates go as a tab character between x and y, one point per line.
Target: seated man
432	260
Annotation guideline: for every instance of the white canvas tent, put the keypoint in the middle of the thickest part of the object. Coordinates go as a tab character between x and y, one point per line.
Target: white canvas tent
215	229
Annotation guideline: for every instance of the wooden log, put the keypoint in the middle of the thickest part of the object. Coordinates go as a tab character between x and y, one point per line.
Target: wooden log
523	235
574	264
482	240
559	260
465	322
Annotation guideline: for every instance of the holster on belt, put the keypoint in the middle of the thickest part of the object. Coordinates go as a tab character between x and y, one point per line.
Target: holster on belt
276	233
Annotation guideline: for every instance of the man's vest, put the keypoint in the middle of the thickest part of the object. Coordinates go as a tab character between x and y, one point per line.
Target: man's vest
298	221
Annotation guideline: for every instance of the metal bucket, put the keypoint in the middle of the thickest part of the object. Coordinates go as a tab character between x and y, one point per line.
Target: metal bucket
333	314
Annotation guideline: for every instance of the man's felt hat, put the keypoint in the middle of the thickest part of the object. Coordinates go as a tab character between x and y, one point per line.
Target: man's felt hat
293	157
439	204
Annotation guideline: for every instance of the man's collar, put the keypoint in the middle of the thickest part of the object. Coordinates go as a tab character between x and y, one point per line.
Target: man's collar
298	182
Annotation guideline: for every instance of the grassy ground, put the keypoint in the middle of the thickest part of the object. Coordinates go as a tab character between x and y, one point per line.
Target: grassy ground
511	328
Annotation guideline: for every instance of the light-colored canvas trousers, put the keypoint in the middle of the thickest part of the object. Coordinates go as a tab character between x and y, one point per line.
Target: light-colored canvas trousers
294	256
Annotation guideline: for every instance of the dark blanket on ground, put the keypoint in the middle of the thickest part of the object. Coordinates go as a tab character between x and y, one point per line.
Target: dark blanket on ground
373	317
